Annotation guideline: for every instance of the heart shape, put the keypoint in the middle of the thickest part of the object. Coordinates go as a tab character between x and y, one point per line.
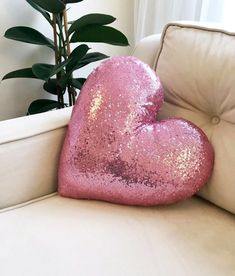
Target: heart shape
116	151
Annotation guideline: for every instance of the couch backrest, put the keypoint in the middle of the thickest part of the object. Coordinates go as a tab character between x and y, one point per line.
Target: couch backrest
196	65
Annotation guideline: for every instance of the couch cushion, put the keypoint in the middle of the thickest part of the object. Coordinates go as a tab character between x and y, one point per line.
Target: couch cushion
197	66
59	236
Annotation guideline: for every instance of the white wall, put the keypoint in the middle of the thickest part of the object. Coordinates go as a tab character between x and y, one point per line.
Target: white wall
16	94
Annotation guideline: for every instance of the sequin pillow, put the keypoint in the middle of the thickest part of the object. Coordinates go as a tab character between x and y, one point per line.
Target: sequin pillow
115	149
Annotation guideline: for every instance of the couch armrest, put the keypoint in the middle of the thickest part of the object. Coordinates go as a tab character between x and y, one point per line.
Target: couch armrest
29	154
147	49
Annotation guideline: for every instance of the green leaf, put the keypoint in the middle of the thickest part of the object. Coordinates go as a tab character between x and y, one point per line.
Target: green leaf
91	19
43	70
51	86
21	73
28	35
96	33
72	1
53	6
59	67
63	80
39	9
89	58
77	83
79	51
76	55
42	105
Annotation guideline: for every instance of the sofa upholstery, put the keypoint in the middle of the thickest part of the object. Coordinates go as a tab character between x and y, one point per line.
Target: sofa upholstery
197	67
29	151
59	236
196	63
42	233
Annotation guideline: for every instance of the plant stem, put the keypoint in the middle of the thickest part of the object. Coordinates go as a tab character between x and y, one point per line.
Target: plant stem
61	36
57	57
66	31
71	90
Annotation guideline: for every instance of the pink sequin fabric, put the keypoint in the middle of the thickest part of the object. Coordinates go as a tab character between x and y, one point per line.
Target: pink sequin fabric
115	150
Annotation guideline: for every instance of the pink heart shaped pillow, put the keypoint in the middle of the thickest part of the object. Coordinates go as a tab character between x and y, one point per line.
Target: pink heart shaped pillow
116	151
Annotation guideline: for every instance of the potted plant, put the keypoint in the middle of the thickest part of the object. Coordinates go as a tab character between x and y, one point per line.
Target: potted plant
58	77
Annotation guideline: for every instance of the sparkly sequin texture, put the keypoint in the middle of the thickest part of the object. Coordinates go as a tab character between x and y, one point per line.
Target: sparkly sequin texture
116	151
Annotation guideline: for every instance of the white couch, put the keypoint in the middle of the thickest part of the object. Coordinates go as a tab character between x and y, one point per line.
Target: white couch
42	233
